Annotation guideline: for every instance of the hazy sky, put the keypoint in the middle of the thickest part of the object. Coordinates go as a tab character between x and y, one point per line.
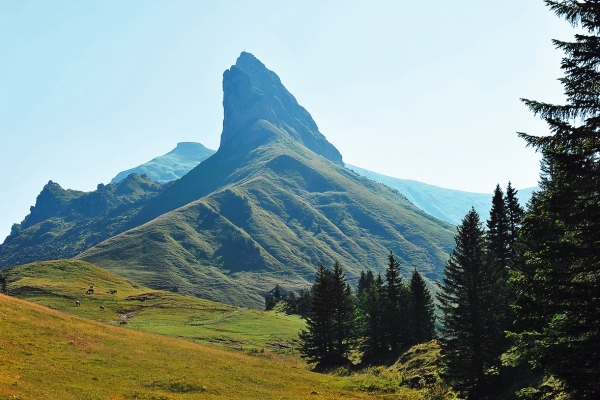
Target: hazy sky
424	90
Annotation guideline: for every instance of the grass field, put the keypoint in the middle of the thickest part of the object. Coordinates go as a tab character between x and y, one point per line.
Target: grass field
59	284
57	349
51	355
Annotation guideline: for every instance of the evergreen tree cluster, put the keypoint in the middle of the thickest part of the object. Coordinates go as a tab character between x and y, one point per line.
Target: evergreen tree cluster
475	295
552	260
557	284
392	314
329	335
382	317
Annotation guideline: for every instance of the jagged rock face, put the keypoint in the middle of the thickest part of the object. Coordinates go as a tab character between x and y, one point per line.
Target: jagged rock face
252	93
51	201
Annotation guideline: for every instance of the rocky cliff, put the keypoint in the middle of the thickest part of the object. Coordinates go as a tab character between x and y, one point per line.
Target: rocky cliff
252	93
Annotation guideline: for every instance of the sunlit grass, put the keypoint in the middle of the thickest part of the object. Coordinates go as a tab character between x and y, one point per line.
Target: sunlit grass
224	347
50	355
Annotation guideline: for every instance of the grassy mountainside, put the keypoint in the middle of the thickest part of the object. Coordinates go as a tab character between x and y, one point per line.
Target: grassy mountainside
51	355
278	210
172	165
446	204
59	284
63	223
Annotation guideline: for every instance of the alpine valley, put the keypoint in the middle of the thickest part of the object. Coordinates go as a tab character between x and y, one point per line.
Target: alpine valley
273	201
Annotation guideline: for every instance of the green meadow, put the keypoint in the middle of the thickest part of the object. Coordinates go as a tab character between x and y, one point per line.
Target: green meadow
148	344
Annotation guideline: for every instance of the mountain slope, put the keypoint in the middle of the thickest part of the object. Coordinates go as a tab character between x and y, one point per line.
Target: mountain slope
59	284
265	209
47	354
172	165
64	223
446	204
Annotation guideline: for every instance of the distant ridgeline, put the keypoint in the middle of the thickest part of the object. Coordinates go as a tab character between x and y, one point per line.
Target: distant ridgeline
172	165
263	210
63	223
446	204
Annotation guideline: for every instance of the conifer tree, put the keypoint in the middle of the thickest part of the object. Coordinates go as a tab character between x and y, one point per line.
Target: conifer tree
497	230
364	282
466	297
558	282
514	214
316	341
371	318
422	310
292	304
344	315
395	304
499	249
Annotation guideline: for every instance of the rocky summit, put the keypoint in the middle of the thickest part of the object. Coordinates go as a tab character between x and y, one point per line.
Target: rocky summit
252	93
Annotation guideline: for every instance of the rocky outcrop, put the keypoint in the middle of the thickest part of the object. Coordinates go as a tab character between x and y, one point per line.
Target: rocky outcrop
52	201
63	222
257	106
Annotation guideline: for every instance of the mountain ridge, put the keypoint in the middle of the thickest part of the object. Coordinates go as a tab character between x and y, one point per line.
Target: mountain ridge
65	222
449	205
170	166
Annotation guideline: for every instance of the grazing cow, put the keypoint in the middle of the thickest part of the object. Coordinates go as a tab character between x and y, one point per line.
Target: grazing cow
102	307
90	291
112	291
77	303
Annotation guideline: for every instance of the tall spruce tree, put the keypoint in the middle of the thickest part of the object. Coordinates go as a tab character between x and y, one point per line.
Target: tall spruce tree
316	342
514	214
558	284
466	297
499	248
344	316
395	304
422	310
371	317
497	230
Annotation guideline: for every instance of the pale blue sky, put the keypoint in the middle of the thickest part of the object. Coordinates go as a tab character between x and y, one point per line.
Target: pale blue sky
419	90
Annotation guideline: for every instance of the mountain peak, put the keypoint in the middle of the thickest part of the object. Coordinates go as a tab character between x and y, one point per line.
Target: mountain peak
257	106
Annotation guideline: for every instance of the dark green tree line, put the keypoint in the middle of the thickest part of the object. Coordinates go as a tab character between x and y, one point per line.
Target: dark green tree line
558	283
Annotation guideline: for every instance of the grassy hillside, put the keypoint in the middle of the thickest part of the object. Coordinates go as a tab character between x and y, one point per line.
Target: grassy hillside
55	355
59	284
172	165
446	204
51	355
266	217
63	223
